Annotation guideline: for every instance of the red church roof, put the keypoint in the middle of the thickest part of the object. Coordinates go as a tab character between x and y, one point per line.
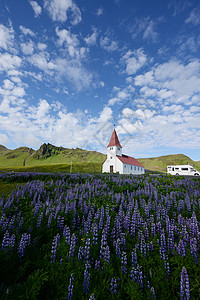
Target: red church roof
114	140
129	160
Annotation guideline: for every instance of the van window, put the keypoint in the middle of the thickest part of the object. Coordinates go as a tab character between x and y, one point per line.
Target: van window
184	169
176	168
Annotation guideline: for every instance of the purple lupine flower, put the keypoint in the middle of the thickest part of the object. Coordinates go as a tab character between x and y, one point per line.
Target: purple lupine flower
95	234
123	241
181	248
24	242
70	287
113	285
39	220
153	229
117	247
49	220
92	297
134	257
11	223
97	265
72	245
80	253
67	234
12	241
143	245
170	243
137	275
152	291
124	262
86	280
184	285
54	247
104	251
6	240
87	249
21	221
60	222
193	248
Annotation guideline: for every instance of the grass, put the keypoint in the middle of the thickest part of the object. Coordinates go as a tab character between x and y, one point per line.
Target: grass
6	188
161	163
76	168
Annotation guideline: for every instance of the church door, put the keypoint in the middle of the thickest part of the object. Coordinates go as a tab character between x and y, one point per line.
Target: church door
111	169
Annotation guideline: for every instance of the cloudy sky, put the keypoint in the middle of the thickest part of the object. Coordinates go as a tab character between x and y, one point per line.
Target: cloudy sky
71	70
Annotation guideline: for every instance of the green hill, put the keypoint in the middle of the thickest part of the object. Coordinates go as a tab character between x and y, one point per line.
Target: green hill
48	155
160	163
49	158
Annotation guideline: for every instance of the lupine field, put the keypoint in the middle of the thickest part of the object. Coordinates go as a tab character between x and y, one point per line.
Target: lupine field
97	236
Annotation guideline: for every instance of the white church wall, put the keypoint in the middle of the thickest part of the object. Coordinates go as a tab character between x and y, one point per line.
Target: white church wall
130	169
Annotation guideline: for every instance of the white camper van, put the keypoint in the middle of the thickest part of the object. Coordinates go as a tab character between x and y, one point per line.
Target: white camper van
182	170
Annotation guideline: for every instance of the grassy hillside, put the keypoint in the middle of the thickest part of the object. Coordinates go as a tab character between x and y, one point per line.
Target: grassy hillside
47	154
160	163
49	158
76	168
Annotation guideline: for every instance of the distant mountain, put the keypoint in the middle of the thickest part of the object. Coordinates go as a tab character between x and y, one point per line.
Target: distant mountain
3	148
160	163
50	155
45	155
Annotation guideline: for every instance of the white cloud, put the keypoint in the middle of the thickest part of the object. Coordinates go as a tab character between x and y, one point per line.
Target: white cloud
194	16
119	97
134	60
145	28
99	11
27	48
6	37
26	31
173	80
91	39
74	72
3	139
9	62
178	6
71	42
107	44
7	84
59	9
36	8
41	61
41	46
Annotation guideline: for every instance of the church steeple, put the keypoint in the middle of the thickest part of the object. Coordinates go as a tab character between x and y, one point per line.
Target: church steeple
114	141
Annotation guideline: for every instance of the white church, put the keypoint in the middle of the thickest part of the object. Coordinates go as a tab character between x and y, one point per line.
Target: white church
118	162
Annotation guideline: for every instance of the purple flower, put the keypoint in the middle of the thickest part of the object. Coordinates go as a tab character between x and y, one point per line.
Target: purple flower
86	280
66	234
152	291
184	285
72	245
113	285
24	242
87	249
124	262
70	287
54	247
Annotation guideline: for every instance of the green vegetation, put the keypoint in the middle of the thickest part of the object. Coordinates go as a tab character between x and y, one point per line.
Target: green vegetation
71	236
76	168
160	163
49	158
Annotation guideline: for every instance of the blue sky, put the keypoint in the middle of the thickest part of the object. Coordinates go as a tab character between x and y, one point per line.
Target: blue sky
70	70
